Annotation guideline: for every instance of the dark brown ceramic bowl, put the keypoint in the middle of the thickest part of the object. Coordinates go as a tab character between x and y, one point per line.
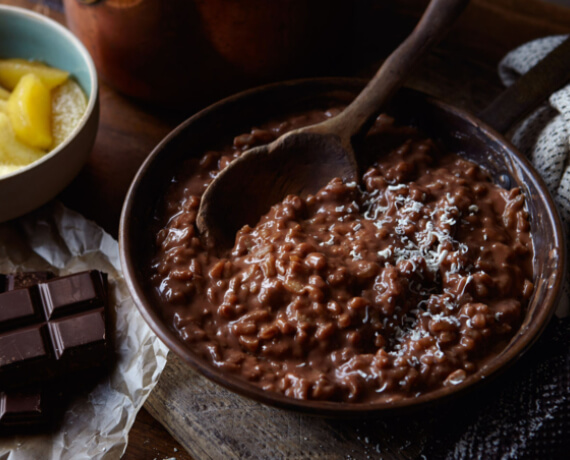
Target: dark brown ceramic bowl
459	131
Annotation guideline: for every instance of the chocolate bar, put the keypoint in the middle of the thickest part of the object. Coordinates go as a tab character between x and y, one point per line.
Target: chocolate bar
53	327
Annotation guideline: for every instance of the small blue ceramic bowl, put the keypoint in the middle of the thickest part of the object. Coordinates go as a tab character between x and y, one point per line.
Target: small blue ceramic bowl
28	35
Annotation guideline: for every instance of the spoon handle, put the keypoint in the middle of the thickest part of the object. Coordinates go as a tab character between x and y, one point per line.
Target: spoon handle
436	20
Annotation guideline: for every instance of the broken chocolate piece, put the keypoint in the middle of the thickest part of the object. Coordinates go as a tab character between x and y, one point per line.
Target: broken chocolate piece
23	408
25	279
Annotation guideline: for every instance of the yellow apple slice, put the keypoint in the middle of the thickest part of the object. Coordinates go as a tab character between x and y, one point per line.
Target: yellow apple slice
12	70
12	151
29	109
68	104
3	106
4	94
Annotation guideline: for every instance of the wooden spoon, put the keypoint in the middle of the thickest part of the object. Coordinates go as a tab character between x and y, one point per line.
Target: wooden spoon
304	160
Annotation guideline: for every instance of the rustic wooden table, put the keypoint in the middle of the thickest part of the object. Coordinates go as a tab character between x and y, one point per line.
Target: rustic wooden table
462	71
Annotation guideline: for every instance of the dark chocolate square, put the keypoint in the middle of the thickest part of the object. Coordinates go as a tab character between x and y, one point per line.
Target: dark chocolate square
18	308
72	335
27	407
75	293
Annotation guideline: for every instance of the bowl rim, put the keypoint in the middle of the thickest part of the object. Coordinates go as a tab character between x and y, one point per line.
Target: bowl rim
328	408
92	72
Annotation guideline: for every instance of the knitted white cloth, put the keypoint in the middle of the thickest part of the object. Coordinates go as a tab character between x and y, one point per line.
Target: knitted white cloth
544	137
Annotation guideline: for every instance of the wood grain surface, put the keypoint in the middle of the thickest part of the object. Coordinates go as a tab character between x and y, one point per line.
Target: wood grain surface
208	421
213	423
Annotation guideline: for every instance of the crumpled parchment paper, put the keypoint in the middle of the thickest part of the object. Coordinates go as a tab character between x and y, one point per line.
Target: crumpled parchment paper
96	423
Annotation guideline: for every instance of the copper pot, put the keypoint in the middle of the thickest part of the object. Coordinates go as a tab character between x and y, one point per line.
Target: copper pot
181	52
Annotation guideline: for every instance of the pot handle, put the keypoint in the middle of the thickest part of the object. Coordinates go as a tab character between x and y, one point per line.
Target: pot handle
546	77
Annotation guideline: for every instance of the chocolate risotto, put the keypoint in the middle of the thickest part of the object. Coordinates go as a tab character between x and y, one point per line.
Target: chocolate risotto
365	292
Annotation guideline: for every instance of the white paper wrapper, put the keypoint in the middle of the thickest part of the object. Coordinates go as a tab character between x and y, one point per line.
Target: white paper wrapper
96	424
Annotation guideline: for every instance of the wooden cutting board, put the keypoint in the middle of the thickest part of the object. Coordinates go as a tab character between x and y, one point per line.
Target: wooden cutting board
212	423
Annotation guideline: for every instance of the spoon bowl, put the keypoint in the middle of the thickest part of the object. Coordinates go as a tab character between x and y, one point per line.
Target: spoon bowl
298	163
